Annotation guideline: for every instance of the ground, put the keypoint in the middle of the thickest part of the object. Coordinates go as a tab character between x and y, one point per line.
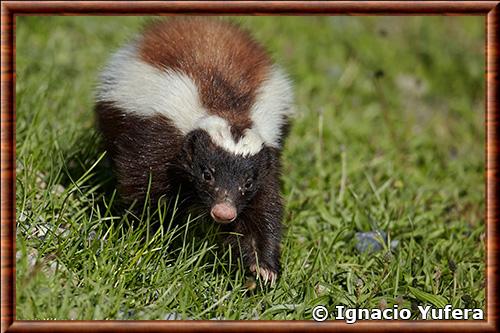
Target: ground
388	137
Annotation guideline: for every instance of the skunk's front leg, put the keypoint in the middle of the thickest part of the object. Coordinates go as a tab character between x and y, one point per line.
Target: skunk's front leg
259	229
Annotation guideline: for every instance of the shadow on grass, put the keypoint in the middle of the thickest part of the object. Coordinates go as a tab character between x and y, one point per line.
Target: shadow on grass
176	228
87	160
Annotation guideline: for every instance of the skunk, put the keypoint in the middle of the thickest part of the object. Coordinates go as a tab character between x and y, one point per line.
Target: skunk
198	104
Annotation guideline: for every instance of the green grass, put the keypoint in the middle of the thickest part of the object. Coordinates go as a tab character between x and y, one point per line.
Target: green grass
389	135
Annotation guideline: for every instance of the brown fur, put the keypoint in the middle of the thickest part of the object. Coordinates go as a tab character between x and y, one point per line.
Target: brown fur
224	61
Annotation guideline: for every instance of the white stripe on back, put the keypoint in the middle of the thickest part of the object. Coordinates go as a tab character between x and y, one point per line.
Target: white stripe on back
139	88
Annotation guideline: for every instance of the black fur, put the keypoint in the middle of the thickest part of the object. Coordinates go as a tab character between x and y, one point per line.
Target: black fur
141	148
259	206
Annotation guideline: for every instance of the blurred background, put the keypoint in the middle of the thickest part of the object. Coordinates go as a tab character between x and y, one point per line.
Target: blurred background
388	137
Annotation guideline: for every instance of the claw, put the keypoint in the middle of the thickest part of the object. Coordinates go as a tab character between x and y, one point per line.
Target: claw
265	274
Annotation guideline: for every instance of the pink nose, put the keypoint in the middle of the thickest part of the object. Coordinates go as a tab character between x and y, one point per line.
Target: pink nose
223	212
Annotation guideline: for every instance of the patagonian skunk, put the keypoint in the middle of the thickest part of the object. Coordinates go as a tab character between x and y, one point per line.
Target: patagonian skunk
198	104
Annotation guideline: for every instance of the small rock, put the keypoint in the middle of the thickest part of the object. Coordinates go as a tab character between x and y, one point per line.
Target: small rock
58	189
62	232
91	235
382	304
373	241
22	217
174	316
321	289
51	268
19	166
73	314
32	258
125	314
41	230
39	180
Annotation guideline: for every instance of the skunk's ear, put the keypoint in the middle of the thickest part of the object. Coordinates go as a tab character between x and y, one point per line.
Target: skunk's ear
268	160
189	146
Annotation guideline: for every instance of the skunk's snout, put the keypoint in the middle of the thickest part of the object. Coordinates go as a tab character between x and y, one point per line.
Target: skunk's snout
224	212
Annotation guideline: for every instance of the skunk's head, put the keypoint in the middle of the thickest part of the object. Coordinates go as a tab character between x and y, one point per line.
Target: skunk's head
224	182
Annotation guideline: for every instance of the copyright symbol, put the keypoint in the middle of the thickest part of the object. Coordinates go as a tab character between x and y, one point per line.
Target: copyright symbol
320	313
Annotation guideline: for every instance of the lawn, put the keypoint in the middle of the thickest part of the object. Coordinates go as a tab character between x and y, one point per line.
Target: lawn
388	136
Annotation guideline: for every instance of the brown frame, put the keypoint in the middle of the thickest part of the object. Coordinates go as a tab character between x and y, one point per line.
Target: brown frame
9	9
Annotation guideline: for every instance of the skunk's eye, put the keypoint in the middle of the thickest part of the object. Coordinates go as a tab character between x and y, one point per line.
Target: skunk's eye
207	175
248	184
